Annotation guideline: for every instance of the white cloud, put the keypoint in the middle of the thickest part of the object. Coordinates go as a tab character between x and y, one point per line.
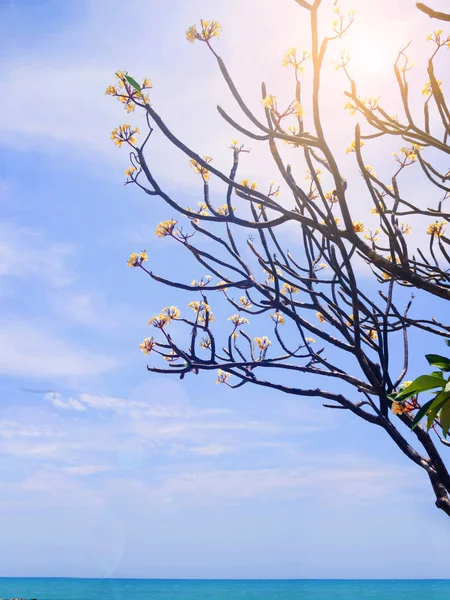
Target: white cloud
14	429
80	307
68	403
83	470
59	115
207	487
25	252
211	450
29	350
169	420
120	405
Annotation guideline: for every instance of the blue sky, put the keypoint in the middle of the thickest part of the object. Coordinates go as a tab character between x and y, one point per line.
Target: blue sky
106	470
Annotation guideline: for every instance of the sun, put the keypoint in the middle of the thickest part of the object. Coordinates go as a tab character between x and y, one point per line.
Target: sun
368	55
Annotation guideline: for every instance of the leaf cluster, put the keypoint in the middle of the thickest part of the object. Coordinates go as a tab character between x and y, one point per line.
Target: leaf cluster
436	410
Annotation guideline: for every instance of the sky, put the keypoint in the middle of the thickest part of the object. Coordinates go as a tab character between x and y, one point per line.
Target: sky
107	470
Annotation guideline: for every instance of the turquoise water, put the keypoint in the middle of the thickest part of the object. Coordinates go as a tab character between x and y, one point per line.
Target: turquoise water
160	589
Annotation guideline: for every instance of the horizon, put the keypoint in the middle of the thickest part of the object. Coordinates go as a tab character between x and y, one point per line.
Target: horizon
235	578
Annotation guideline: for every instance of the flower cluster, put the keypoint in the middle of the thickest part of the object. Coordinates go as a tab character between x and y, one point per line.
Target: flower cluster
352	147
317	174
331	197
245	302
270	102
274	190
166	228
405	228
209	30
262	342
224	210
405	406
224	289
406	66
205	343
246	183
172	357
372	235
368	104
345	59
202	311
437	229
399	408
291	58
408	155
203	171
203	209
127	93
351	107
340	23
159	321
130	171
203	281
136	259
277	318
172	312
165	316
147	345
270	276
292	131
427	89
294	108
335	219
437	39
222	376
238	320
376	211
124	133
371	102
289	289
358	227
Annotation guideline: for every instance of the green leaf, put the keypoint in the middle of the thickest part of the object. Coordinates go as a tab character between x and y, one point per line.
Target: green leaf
447	342
444	417
435	360
133	83
447	386
438	402
421	384
437	373
422	411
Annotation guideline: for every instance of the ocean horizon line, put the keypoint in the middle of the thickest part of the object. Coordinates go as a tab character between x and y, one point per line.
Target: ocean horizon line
124	578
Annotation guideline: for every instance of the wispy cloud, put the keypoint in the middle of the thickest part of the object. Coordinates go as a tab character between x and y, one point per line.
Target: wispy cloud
66	403
86	470
208	486
25	253
31	350
14	429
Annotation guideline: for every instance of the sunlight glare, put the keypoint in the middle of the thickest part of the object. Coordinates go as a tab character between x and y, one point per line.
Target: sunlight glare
368	55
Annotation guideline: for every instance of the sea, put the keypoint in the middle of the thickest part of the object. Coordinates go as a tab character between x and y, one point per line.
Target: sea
177	589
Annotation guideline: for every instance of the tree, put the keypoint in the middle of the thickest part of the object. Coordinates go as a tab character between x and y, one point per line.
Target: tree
360	328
